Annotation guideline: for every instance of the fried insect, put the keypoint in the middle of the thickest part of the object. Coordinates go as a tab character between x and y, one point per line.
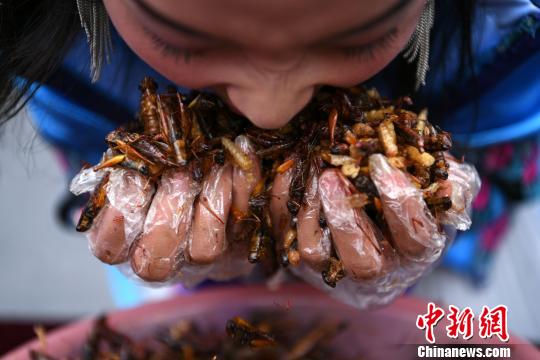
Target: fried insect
387	136
363	130
440	167
246	334
422	175
138	146
115	160
438	141
259	242
339	149
285	166
152	152
121	141
247	337
95	204
422	159
420	127
334	272
332	122
137	165
148	107
309	341
290	243
438	204
173	133
369	145
303	158
358	200
256	247
339	128
298	184
239	157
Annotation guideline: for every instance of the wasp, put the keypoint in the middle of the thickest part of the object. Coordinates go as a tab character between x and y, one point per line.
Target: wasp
289	252
258	207
95	204
258	245
246	334
422	175
303	158
437	204
410	135
440	167
334	272
438	141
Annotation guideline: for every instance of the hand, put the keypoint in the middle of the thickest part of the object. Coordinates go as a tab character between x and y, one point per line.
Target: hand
177	231
379	263
190	231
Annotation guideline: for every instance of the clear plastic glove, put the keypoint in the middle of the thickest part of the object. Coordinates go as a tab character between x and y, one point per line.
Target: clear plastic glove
177	231
188	231
379	264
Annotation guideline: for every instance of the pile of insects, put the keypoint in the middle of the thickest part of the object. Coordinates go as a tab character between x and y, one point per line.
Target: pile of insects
263	336
339	128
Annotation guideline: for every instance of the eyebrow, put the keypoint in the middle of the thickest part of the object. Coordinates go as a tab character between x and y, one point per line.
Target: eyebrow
173	24
157	16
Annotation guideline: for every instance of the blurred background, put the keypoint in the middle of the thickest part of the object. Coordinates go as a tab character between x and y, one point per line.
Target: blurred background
48	275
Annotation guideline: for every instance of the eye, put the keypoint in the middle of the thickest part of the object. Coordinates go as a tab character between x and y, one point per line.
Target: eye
169	50
371	49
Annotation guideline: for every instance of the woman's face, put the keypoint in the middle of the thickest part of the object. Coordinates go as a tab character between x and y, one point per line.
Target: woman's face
266	58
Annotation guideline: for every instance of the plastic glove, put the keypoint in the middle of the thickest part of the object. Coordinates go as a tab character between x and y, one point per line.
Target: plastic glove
379	264
178	233
192	231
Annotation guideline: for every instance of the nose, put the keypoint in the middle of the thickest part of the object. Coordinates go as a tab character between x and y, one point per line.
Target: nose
270	105
277	87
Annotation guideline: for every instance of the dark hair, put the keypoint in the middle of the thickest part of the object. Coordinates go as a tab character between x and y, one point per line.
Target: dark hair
36	34
34	37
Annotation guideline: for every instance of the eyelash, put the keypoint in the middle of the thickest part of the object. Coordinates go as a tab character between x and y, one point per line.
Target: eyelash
362	51
370	50
170	50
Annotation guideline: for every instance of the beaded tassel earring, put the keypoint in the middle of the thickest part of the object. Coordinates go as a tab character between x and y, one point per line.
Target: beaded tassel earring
95	22
418	46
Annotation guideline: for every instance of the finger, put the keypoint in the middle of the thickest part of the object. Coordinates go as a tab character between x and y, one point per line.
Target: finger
211	213
314	242
355	237
465	181
120	221
156	255
461	187
279	214
243	184
107	239
414	230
